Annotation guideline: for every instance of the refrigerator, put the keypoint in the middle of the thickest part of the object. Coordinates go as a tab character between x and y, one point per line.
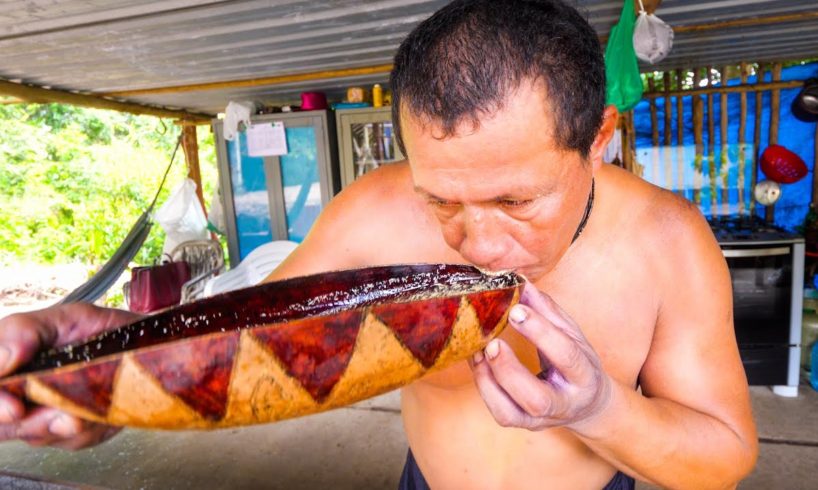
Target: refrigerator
269	198
365	141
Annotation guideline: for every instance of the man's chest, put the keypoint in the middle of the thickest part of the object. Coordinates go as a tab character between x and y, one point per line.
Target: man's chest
615	306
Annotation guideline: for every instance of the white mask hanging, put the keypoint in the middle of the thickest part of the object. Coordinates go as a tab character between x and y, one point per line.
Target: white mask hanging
652	38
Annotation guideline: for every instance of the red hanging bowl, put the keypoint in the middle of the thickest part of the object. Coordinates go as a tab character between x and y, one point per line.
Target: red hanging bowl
782	165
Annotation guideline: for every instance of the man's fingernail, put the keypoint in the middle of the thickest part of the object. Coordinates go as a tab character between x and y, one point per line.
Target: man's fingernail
62	426
517	314
493	349
5	357
478	357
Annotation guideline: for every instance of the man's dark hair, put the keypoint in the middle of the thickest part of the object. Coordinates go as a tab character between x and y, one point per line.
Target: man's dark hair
461	63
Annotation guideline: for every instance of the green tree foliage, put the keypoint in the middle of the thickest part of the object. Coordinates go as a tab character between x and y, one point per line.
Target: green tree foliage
74	180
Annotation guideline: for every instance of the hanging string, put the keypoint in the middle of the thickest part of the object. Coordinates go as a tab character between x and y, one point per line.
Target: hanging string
167	171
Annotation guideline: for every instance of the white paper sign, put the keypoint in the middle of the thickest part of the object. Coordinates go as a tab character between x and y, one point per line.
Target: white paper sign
266	140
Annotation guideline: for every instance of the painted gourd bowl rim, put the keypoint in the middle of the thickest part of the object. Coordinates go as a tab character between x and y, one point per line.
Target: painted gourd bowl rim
313	295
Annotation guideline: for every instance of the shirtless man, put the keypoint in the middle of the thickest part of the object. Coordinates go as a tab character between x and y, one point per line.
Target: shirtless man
500	108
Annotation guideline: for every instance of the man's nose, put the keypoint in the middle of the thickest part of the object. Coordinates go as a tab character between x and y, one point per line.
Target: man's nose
484	243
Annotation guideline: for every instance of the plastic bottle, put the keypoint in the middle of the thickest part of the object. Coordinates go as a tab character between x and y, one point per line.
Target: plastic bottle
377	96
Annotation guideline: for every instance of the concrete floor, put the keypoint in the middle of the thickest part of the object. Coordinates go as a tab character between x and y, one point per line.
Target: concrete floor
362	447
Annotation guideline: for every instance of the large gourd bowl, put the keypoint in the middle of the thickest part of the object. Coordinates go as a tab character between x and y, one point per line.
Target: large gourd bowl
275	351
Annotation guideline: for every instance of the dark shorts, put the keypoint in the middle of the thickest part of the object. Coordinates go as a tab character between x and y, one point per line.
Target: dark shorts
412	478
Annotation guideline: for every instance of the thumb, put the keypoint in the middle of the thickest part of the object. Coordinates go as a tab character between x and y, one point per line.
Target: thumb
21	336
80	321
24	334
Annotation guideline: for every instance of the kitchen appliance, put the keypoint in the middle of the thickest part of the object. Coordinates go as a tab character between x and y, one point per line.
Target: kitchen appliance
269	198
767	271
365	141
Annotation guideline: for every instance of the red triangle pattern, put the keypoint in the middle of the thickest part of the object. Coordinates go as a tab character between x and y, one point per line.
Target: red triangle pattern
424	327
315	351
197	371
89	387
490	307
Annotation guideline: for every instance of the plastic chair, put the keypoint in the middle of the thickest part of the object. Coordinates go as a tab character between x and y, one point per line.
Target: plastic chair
252	270
206	260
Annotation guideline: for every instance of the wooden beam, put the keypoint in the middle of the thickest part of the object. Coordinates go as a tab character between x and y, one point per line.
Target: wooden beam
257	82
751	22
45	96
753	87
726	24
10	100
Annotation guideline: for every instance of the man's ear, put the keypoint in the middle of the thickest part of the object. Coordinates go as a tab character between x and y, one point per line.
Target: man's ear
603	136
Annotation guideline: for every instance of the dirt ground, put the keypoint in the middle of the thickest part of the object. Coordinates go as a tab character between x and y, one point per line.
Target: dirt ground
28	287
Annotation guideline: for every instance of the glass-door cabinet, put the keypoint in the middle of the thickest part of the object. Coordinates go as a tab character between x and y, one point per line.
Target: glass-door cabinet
270	198
365	141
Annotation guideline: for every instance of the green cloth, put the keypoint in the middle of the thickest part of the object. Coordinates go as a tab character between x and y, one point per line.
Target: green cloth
624	85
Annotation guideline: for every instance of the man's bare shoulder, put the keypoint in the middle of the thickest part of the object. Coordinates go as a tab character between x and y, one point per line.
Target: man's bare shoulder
658	222
379	201
377	220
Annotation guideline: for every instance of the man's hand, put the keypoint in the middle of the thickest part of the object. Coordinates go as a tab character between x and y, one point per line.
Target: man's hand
24	334
571	388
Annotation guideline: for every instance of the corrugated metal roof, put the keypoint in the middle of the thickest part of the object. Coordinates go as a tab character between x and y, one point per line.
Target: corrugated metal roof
101	46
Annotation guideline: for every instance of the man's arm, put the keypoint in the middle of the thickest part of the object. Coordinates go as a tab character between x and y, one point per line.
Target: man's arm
692	425
698	429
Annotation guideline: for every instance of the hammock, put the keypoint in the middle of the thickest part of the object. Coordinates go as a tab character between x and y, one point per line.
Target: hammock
107	275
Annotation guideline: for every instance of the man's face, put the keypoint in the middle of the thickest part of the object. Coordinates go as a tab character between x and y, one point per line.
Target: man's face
505	194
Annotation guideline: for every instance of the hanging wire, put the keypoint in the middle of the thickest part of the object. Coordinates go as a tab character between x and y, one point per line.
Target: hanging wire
167	171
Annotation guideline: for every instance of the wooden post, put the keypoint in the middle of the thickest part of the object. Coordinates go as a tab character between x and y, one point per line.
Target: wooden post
628	140
698	129
627	159
775	116
191	148
723	158
654	121
775	106
680	132
757	133
711	145
742	129
680	109
637	168
668	107
814	173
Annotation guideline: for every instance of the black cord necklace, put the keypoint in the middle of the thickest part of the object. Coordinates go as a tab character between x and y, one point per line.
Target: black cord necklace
587	214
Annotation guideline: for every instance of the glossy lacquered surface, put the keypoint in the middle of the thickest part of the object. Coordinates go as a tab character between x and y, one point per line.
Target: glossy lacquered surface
275	351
